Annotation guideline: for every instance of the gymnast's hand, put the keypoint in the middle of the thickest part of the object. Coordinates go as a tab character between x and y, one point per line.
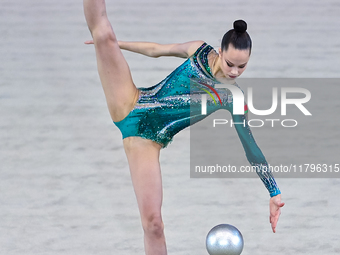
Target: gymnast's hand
274	205
89	42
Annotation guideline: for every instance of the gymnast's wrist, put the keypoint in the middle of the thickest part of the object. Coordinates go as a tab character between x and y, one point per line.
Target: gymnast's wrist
275	193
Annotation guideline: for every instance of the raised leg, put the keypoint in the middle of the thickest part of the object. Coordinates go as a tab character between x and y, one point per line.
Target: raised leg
120	91
143	158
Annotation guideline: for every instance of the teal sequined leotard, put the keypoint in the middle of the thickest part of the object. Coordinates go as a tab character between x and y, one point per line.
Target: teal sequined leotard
175	103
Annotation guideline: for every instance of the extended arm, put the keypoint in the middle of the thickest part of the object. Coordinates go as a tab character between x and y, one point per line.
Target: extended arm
155	50
254	154
257	159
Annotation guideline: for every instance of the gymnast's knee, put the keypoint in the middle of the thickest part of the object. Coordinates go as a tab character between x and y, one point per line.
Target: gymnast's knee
153	226
103	35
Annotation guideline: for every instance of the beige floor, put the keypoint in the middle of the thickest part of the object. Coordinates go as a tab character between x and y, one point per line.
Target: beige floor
64	181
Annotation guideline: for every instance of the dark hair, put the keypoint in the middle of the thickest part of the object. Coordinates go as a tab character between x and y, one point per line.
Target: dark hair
237	37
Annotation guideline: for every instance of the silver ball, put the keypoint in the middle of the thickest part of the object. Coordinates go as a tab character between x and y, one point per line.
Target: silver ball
224	239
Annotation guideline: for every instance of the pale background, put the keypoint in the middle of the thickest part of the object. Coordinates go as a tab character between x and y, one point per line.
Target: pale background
64	180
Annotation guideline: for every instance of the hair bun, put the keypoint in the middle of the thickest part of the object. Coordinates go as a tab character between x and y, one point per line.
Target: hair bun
240	26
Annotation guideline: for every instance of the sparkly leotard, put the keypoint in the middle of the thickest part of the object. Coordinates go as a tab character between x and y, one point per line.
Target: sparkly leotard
175	103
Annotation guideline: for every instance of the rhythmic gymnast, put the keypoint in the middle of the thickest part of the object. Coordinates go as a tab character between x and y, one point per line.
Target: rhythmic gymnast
148	118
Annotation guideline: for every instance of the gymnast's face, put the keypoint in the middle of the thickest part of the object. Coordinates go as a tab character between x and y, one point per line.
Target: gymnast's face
233	61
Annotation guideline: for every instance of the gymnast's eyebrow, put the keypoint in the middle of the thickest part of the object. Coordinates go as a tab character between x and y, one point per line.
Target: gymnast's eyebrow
234	64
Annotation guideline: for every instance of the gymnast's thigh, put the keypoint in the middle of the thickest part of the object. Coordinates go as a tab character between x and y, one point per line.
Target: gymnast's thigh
135	143
115	75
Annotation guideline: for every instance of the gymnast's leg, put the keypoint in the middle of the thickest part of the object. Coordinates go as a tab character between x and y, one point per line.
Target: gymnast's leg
120	91
143	158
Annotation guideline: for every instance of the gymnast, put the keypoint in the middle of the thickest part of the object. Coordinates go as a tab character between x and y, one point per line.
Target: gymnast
148	118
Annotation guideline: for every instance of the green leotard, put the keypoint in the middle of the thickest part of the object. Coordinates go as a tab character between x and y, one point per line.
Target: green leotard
175	103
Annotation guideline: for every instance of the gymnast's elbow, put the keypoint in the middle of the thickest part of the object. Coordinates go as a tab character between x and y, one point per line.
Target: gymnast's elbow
155	50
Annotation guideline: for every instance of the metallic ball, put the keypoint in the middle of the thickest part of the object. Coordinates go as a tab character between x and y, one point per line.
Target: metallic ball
224	239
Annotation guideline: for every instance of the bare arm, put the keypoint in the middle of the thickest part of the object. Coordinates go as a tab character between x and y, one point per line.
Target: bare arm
155	50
